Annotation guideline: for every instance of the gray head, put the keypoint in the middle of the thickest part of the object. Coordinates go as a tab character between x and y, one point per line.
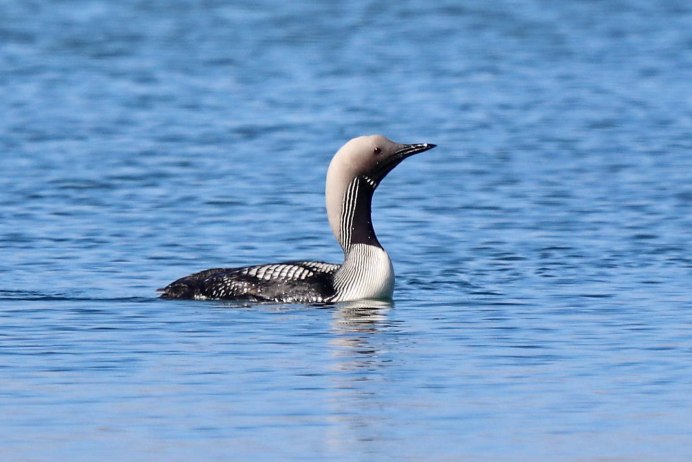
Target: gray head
369	159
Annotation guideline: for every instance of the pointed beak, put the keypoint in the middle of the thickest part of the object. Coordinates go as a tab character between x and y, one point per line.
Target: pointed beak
408	150
405	150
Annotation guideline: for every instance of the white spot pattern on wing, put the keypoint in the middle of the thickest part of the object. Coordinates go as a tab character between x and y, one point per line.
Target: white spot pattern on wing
288	271
259	282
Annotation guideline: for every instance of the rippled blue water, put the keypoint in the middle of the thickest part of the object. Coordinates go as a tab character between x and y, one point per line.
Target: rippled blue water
544	291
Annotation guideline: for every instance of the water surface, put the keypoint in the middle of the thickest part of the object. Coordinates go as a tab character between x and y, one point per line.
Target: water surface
544	267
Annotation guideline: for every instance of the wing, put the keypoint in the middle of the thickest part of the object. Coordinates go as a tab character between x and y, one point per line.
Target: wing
288	282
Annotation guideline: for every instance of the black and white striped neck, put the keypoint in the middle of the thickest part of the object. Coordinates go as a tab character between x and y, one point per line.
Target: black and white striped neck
367	270
356	215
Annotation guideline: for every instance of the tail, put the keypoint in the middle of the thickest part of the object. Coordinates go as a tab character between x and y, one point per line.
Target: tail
188	287
177	290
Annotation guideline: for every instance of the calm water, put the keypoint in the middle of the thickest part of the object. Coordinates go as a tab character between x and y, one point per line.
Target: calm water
543	308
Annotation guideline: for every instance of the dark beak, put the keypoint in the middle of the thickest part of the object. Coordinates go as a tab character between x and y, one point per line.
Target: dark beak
408	150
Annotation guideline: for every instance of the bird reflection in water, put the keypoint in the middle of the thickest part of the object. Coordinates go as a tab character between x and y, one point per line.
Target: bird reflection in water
361	315
363	336
355	323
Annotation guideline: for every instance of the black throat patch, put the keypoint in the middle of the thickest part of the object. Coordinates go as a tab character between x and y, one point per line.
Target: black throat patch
356	217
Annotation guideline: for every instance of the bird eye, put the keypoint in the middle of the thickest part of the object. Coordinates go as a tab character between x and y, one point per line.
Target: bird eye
377	150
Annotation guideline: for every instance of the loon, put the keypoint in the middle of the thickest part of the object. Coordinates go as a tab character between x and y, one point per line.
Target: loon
354	173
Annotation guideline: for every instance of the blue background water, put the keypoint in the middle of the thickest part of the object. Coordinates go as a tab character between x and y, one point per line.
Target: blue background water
544	293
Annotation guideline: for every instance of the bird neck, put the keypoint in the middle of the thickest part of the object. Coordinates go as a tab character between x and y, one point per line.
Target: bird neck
367	271
353	223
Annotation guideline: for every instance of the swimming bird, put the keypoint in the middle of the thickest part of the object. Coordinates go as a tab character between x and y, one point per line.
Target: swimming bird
354	173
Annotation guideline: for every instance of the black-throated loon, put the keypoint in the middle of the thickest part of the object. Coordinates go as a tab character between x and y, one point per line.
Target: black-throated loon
366	273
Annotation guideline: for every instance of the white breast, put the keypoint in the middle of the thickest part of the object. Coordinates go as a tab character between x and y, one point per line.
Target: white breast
367	273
